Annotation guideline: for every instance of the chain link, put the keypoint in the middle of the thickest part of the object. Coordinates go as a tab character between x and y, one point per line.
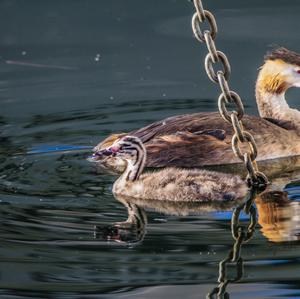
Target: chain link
205	15
209	66
224	87
235	98
221	77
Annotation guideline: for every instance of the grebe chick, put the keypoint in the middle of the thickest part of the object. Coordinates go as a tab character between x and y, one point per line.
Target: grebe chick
172	184
204	139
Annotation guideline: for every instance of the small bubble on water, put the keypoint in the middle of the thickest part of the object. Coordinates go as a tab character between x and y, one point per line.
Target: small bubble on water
111	98
164	94
23	53
97	57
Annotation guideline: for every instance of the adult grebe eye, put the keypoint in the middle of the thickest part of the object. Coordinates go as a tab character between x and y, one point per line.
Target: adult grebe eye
298	71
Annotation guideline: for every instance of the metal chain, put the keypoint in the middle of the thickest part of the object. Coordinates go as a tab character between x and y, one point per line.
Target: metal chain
241	235
221	77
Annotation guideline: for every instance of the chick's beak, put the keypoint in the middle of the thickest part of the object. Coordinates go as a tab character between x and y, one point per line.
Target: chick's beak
102	154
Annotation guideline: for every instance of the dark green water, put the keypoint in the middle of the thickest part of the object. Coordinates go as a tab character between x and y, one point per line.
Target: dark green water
72	72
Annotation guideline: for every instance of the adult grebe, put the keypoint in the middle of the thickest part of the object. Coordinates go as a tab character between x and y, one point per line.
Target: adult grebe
204	139
169	184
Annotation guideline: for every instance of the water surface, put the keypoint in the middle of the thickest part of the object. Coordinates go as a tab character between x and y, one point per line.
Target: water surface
73	72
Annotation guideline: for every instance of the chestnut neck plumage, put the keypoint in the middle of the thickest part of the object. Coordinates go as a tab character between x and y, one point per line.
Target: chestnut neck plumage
270	97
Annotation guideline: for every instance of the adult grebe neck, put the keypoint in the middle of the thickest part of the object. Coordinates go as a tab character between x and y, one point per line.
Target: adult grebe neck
271	87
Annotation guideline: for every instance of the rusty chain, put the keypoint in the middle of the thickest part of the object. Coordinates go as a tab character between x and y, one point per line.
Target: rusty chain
227	96
241	235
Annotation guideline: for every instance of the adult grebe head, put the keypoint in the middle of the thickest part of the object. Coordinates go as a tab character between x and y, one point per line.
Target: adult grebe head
280	71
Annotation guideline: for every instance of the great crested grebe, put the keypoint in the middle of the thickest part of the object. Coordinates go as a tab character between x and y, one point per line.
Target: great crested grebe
169	184
204	139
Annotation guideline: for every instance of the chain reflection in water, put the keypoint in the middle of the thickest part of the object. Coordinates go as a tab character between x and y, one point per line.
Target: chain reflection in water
241	235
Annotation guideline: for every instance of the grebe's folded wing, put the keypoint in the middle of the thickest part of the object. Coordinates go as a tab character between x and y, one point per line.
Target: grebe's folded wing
192	123
217	133
185	149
